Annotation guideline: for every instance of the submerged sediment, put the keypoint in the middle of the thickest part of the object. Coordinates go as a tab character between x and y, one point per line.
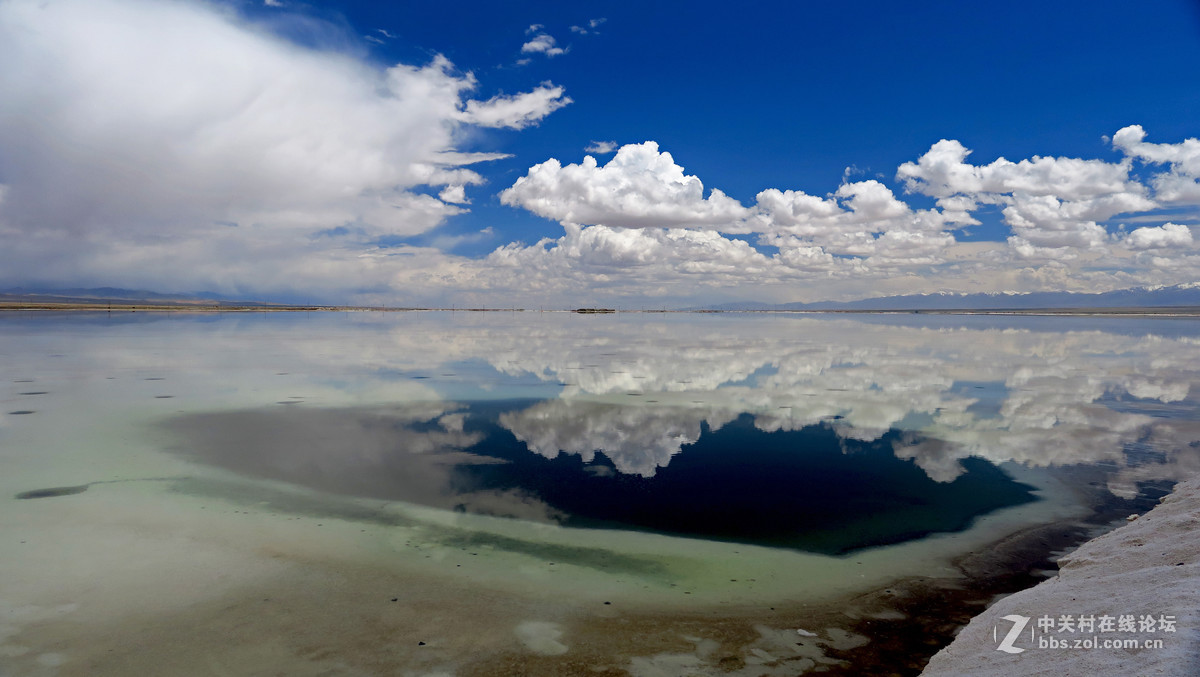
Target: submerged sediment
246	582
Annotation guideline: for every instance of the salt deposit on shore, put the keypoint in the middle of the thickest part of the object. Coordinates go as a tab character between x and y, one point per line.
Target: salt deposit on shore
1148	569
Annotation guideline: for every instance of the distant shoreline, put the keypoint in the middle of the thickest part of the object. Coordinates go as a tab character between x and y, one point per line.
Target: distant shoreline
101	306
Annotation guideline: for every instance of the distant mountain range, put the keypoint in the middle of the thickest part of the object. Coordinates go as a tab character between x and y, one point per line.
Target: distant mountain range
118	295
1181	295
1138	297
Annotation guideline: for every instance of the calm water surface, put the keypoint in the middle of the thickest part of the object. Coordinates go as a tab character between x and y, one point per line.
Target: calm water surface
734	458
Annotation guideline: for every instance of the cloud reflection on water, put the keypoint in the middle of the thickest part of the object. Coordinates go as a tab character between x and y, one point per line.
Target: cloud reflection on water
639	387
1068	397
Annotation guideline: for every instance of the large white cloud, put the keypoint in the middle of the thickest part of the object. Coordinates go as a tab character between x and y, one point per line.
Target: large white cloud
861	229
655	232
943	172
130	125
1054	205
625	260
1161	237
640	187
862	219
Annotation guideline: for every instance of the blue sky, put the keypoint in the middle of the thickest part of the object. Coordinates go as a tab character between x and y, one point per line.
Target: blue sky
793	93
397	152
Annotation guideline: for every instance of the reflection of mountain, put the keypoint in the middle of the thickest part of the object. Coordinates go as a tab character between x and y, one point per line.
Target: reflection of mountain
112	295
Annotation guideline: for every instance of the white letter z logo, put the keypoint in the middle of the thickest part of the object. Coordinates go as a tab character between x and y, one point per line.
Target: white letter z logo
1019	623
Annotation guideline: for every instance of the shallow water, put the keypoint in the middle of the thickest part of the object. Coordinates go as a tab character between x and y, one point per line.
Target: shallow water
696	469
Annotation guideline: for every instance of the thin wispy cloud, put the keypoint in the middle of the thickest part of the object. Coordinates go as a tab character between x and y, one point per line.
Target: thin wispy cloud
601	147
591	27
517	111
449	242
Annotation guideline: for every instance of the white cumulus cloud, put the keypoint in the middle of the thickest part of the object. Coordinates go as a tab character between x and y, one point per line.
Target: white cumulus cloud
454	195
640	187
1160	237
1056	209
601	250
1053	204
541	43
1181	184
861	219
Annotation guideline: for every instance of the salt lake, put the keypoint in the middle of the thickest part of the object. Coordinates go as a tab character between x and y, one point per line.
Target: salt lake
469	493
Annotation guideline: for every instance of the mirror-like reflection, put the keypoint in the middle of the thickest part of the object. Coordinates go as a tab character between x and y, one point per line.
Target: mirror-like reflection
639	388
806	432
246	473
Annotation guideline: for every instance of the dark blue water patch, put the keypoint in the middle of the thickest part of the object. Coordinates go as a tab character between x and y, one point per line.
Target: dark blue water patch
1150	493
1144	452
807	490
